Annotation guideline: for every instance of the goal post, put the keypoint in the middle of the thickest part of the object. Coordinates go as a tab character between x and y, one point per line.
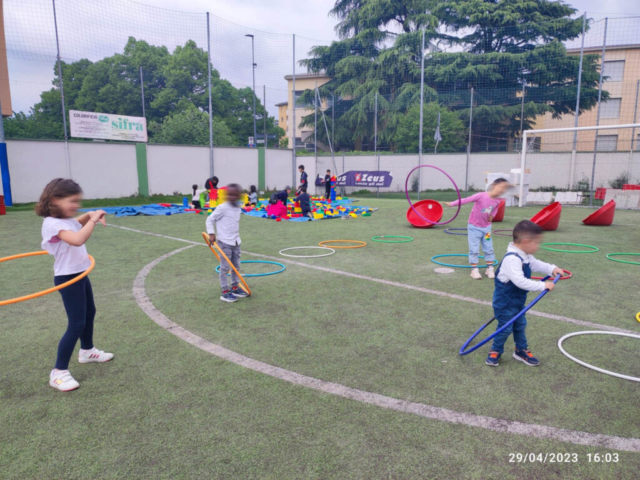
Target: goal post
580	159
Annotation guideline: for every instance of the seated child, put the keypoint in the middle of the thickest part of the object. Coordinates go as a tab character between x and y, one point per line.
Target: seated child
305	202
512	283
225	219
253	196
485	204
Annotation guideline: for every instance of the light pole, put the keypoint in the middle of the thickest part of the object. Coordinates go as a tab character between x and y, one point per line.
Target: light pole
253	69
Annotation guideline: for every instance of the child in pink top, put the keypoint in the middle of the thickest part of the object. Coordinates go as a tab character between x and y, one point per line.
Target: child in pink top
485	205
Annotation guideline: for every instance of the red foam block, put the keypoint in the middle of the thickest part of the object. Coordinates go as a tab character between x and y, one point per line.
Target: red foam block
549	217
499	216
429	209
603	216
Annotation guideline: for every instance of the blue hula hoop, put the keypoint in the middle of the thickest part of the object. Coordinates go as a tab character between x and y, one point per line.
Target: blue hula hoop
259	274
452	231
505	326
495	262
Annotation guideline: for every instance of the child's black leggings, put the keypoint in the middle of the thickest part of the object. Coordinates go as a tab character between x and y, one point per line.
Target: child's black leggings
81	310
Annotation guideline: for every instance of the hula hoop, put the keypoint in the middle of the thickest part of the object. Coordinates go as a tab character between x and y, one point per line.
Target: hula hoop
259	274
48	290
638	316
544	247
331	252
497	232
358	243
495	262
505	326
243	284
451	231
623	261
567	277
406	191
407	239
588	365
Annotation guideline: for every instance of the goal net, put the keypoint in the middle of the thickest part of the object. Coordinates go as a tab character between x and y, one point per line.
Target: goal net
579	163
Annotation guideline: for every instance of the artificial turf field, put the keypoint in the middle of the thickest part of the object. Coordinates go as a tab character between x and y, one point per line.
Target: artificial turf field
164	408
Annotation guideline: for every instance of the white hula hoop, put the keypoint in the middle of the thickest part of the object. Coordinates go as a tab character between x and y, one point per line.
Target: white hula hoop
585	364
331	252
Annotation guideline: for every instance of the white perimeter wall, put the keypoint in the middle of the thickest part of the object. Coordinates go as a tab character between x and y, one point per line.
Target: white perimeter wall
108	170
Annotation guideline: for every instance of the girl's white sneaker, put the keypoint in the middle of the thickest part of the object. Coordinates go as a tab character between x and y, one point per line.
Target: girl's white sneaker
490	273
475	274
62	380
94	355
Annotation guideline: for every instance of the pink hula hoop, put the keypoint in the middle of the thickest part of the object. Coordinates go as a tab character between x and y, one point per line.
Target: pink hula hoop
406	191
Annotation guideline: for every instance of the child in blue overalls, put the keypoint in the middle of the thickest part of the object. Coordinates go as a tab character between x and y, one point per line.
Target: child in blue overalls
512	283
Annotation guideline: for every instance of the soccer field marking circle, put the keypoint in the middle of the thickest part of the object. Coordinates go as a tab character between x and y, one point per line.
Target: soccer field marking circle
495	262
453	231
266	274
623	261
592	367
331	252
405	239
544	246
406	192
42	293
426	411
462	350
358	244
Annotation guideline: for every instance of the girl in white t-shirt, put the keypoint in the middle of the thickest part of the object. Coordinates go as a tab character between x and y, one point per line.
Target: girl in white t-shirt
64	236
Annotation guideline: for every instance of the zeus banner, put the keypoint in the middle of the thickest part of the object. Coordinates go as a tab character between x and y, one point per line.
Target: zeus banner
356	178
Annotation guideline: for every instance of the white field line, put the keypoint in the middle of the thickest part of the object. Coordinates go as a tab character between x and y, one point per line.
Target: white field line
427	411
582	323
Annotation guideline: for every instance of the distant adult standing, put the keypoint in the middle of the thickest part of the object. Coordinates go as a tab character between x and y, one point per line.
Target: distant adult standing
211	183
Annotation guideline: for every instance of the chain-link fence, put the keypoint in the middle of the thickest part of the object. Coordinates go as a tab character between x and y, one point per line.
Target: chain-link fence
482	82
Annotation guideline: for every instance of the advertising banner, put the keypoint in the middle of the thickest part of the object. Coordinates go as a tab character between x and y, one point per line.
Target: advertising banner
106	126
356	178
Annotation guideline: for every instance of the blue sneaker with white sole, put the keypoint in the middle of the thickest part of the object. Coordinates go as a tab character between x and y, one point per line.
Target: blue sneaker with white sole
493	360
527	357
228	297
239	293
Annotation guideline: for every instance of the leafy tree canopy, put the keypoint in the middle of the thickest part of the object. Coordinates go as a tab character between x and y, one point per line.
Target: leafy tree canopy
494	46
175	87
451	130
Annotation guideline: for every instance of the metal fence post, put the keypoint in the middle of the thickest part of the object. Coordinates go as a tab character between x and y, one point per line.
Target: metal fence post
595	147
466	172
210	112
421	113
375	137
576	123
64	111
264	116
633	130
142	91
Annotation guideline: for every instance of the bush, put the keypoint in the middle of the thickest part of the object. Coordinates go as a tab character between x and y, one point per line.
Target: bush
617	183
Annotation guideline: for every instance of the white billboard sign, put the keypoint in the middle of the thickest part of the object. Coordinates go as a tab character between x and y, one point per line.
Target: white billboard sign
107	126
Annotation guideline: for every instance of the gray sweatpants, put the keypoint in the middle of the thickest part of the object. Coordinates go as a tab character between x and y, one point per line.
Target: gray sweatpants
234	254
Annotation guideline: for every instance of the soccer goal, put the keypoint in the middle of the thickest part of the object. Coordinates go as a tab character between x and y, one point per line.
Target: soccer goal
578	162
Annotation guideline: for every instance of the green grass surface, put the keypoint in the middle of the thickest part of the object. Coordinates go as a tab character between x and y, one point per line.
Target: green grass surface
165	409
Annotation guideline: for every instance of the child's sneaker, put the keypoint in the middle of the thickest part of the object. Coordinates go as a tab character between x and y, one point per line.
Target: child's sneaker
228	297
239	293
526	356
94	355
490	273
493	360
475	274
62	380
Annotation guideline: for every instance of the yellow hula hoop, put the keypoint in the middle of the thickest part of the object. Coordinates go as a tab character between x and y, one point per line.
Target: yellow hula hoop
358	242
48	290
638	316
243	284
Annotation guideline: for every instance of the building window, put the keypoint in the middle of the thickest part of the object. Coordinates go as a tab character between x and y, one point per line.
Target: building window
607	143
614	70
610	108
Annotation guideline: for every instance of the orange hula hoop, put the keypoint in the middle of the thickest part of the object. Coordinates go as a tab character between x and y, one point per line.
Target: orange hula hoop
48	290
243	284
358	243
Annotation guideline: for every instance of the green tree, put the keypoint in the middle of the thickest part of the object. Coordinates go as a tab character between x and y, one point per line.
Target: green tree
452	130
173	83
191	127
497	46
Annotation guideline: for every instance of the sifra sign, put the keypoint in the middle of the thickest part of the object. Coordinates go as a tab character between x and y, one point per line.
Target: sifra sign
106	126
357	178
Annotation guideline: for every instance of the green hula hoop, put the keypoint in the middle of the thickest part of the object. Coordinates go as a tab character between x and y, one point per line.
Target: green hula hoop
624	261
595	249
406	239
495	262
